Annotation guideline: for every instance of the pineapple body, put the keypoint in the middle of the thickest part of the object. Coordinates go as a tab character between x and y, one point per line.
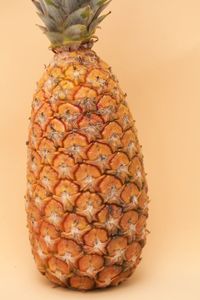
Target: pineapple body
87	192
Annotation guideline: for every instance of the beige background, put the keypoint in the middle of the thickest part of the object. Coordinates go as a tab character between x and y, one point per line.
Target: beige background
154	48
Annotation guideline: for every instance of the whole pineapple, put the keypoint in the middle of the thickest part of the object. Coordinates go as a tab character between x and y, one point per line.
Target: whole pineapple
87	201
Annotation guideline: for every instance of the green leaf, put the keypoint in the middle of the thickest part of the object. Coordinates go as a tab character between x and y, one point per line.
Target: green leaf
94	24
55	37
44	29
69	6
81	16
49	2
55	13
56	3
76	32
95	4
38	6
49	22
43	6
101	8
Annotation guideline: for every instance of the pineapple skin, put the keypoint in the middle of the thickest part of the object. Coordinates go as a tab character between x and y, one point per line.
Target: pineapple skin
87	202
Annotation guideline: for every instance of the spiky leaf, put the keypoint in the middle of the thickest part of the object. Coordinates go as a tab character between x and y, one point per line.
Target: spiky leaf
49	22
96	22
55	13
80	16
55	37
76	32
38	6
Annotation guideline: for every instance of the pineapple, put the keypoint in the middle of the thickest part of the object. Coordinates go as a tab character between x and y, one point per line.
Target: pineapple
87	202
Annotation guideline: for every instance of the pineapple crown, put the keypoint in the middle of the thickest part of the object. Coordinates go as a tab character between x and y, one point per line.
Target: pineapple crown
71	24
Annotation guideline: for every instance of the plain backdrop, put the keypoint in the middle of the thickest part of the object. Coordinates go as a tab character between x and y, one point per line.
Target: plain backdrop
154	49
